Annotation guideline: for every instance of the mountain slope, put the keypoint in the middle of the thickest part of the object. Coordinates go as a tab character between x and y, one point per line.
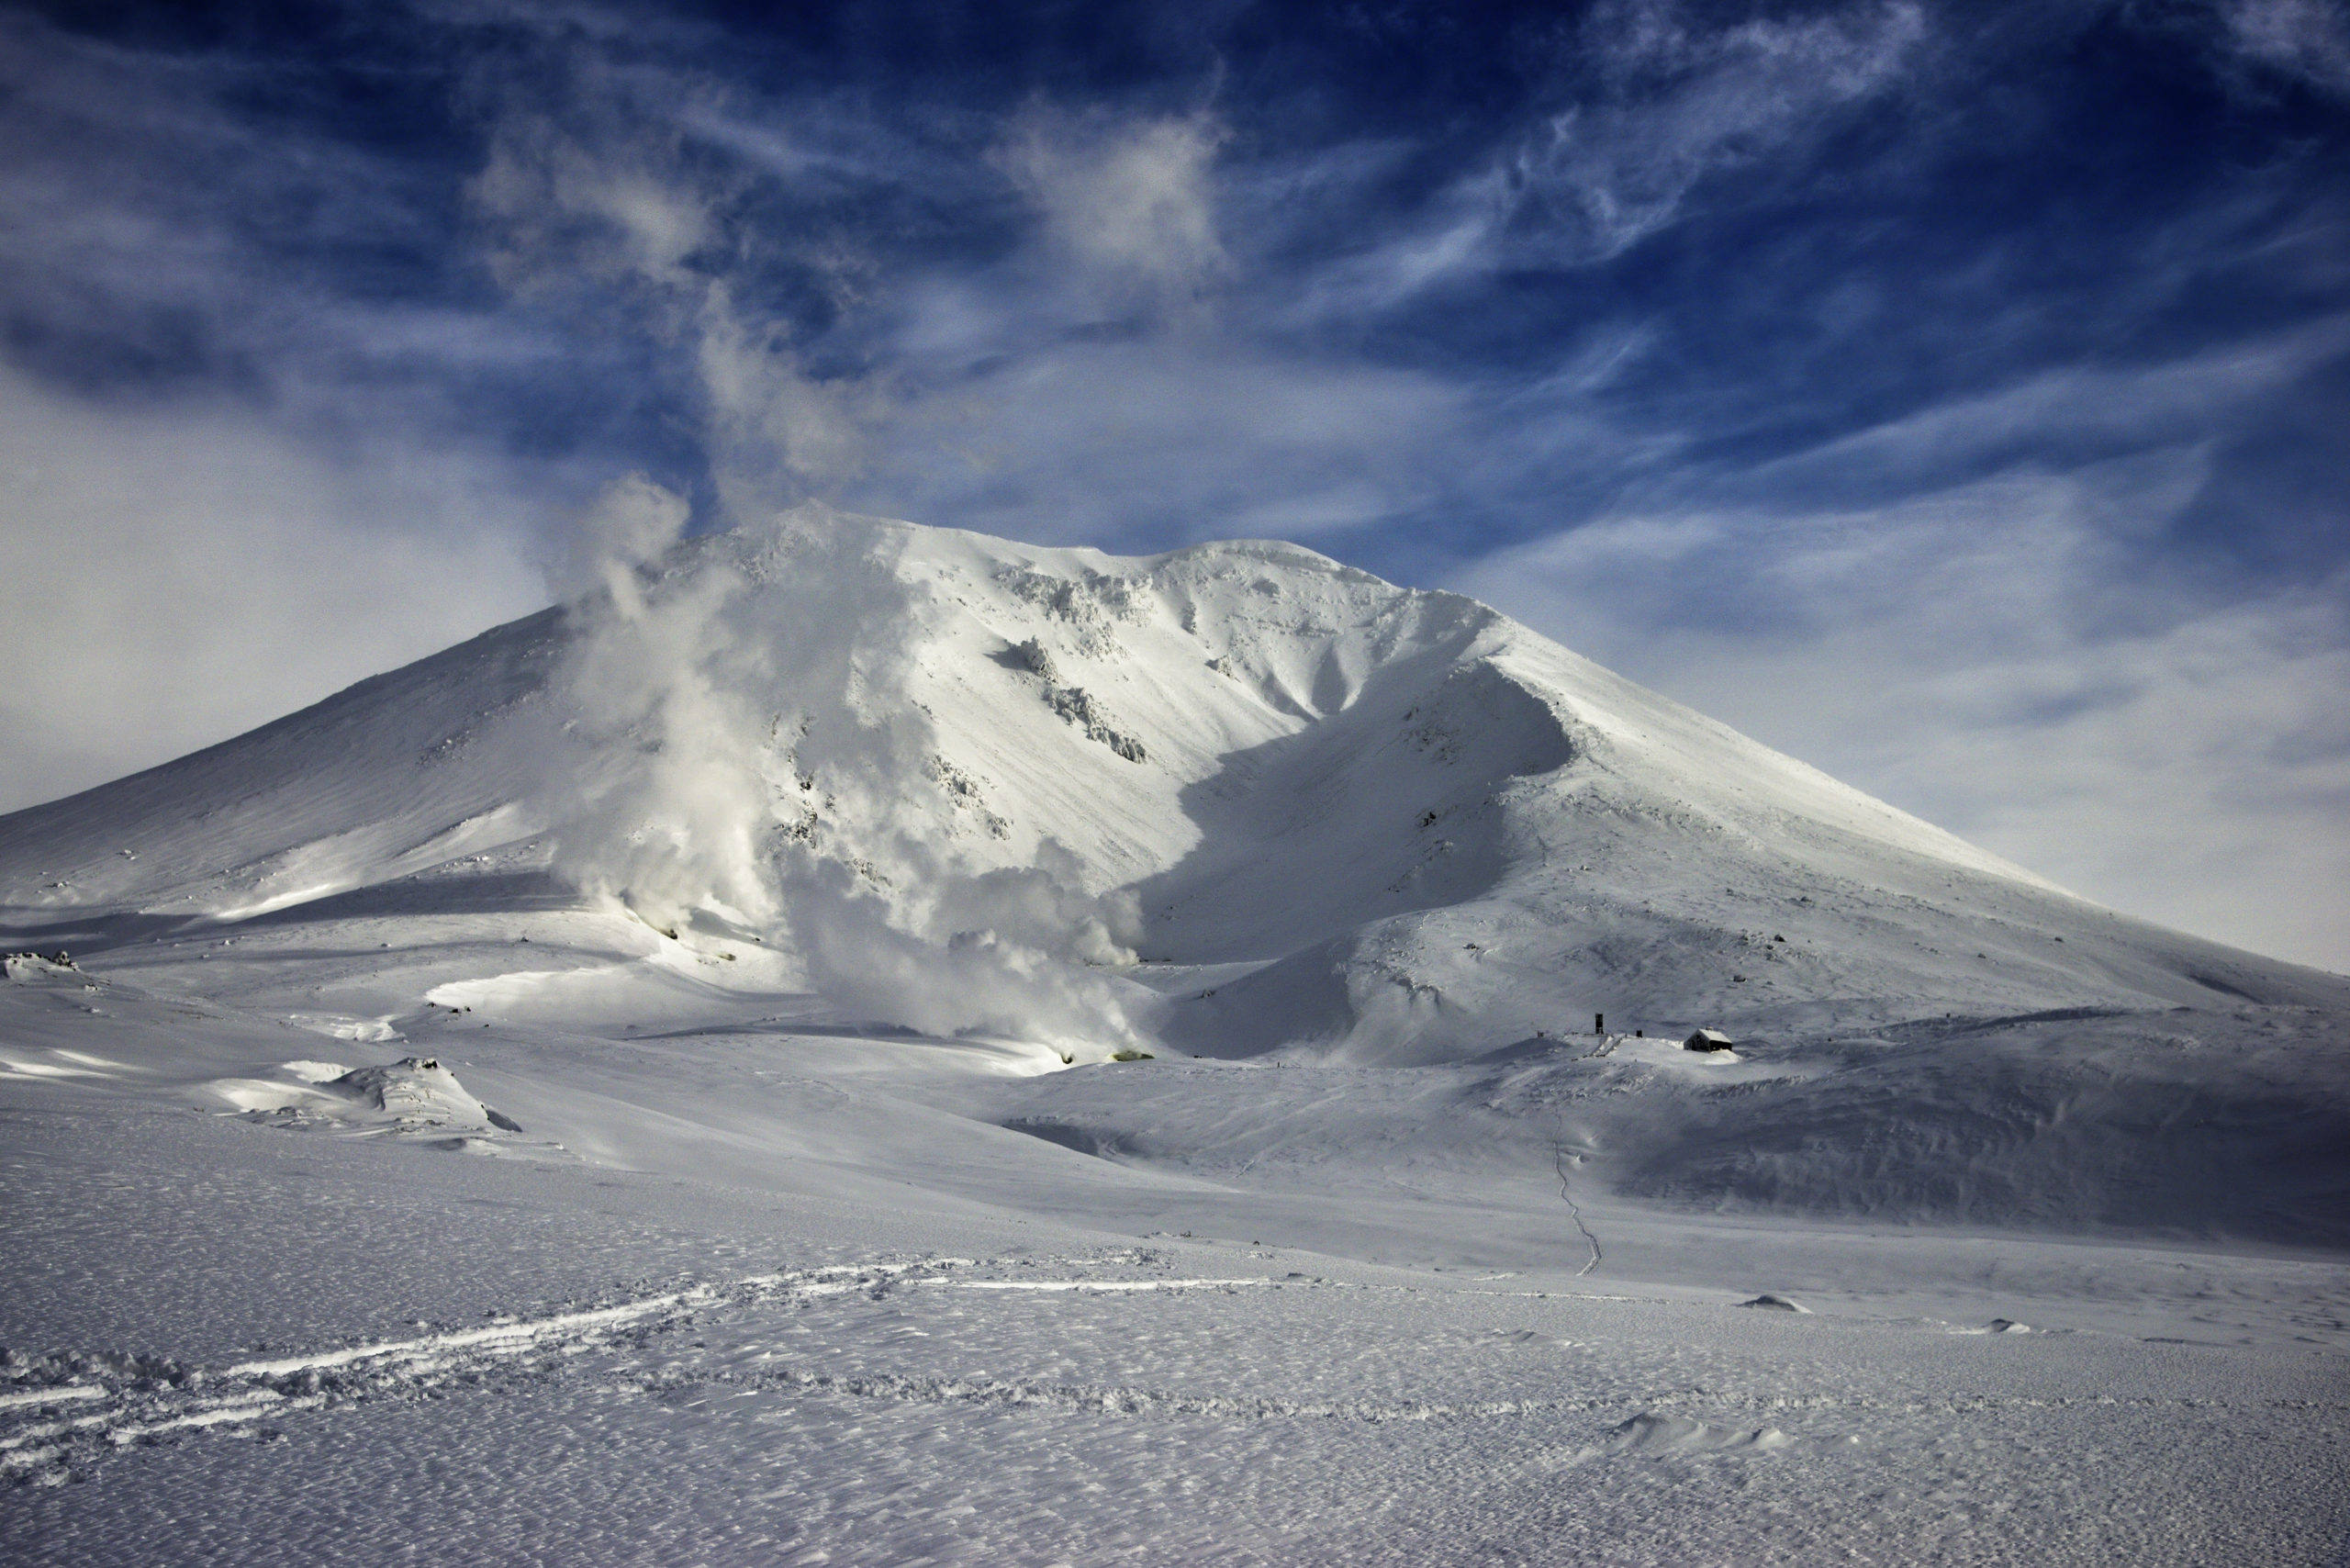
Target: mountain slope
1433	831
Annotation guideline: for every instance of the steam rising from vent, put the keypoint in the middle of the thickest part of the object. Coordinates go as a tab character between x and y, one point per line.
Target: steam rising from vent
750	751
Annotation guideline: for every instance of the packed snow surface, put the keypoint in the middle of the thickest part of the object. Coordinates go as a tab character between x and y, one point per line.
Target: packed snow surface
862	1042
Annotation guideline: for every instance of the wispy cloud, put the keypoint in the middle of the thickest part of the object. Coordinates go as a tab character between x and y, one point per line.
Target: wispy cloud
1654	102
227	483
2306	40
2078	414
1997	353
2006	659
1678	101
170	576
1129	203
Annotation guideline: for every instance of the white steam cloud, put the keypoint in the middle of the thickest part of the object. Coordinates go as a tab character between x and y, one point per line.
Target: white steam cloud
628	211
750	751
745	742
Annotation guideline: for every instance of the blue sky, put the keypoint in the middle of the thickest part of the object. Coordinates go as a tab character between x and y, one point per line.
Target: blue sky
1954	396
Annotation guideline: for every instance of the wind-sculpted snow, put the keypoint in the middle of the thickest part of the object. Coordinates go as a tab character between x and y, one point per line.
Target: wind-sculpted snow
71	1410
74	1407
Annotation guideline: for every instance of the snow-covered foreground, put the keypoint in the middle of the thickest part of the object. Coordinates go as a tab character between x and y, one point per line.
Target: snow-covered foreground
743	1291
878	1044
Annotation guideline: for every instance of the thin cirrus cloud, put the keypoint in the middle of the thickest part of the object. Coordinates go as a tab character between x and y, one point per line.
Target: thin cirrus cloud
171	577
1680	103
1664	105
1991	352
2306	39
1992	658
228	485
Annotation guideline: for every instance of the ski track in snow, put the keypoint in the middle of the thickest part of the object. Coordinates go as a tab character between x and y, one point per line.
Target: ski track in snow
80	1409
50	1430
56	1433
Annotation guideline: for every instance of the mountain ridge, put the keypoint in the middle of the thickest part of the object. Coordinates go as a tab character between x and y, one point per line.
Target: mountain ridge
1429	830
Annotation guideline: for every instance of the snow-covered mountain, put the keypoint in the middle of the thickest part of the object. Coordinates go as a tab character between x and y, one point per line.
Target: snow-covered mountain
1237	800
1384	824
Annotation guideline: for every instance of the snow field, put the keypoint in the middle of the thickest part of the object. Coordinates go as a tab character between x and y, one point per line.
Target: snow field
882	1415
1273	1403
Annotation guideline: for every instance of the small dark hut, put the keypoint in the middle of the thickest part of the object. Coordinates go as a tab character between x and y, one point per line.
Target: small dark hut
1707	1040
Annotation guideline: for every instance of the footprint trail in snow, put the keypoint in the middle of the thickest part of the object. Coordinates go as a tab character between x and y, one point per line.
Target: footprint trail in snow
62	1414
